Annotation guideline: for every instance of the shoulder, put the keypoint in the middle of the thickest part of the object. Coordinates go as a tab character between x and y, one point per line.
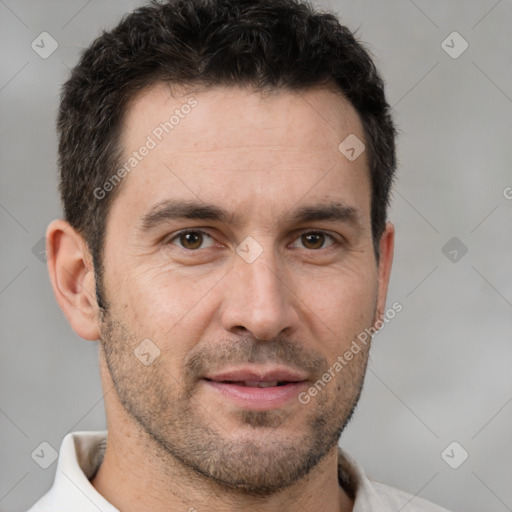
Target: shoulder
80	455
44	504
371	495
396	499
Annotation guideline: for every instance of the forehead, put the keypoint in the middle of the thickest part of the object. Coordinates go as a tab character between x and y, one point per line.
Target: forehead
212	143
232	117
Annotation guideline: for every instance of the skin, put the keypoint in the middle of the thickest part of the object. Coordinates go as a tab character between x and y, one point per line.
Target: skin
174	442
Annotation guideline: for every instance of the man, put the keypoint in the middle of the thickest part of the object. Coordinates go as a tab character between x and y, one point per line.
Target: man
225	174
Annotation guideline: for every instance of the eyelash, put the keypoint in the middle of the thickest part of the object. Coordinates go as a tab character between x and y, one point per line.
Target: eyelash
307	232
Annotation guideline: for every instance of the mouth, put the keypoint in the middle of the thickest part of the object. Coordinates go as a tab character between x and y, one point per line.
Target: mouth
257	388
253	383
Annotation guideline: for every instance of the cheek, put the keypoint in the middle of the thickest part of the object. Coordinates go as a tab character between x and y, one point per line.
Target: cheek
176	307
163	304
340	306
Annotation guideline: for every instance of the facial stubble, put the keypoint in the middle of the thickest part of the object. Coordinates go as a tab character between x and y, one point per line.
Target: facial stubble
266	451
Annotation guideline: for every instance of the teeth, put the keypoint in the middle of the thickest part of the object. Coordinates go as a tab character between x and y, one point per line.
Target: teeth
257	384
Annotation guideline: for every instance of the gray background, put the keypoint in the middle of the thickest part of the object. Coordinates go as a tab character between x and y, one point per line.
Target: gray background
439	372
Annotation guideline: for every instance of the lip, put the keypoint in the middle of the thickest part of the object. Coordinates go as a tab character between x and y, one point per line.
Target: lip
230	385
259	374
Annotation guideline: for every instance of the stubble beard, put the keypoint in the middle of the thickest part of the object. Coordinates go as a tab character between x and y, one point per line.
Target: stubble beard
263	454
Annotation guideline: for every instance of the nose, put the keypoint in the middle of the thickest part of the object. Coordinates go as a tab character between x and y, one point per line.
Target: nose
259	299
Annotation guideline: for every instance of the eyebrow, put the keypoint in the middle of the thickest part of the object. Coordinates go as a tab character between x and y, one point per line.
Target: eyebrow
182	209
327	212
174	209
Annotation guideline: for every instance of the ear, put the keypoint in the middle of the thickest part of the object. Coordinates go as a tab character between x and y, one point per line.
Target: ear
72	276
386	249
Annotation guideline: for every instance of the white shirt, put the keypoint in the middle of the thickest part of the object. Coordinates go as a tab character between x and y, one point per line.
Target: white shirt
81	454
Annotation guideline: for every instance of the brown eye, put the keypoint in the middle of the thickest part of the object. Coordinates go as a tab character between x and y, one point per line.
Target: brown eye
315	240
190	240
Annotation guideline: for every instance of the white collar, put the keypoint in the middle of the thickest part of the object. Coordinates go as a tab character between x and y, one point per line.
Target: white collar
81	454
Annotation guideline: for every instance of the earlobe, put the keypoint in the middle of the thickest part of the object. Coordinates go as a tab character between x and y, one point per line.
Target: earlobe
72	277
386	246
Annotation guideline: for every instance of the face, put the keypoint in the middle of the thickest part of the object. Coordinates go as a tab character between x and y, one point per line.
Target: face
239	266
